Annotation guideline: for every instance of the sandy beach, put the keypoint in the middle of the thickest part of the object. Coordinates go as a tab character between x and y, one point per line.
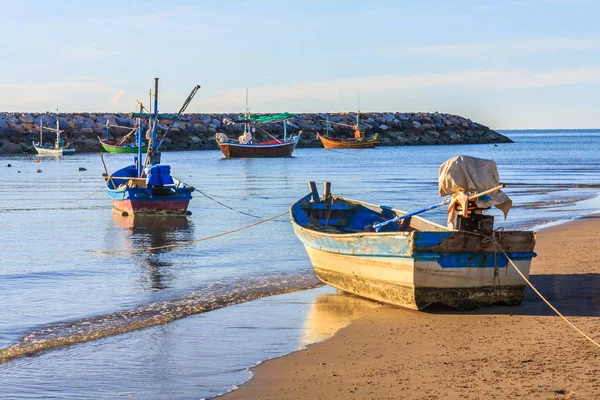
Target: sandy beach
497	352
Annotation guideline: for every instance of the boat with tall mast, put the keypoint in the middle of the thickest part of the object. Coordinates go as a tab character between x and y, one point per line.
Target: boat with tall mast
59	148
122	146
357	142
147	187
247	147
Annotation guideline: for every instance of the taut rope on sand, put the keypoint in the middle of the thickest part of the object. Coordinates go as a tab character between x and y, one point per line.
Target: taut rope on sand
499	248
541	296
190	241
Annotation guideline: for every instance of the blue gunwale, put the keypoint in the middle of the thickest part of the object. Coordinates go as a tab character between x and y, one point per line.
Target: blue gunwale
415	244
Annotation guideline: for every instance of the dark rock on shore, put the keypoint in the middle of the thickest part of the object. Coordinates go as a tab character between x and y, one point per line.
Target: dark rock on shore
18	131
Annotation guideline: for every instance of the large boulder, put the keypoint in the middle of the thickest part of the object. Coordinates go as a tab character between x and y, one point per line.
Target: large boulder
11	148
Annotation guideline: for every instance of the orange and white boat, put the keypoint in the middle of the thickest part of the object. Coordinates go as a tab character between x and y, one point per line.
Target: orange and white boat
351	143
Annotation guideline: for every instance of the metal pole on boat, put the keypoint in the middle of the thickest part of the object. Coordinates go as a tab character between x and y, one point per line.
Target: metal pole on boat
41	129
57	130
285	129
139	140
155	112
358	110
247	124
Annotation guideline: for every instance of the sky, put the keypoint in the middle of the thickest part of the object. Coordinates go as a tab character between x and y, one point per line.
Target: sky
508	64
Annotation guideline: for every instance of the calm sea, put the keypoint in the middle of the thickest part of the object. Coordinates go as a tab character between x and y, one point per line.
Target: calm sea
54	290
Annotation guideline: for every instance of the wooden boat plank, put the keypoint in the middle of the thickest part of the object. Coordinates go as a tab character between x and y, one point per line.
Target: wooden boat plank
359	244
458	241
331	143
236	150
326	206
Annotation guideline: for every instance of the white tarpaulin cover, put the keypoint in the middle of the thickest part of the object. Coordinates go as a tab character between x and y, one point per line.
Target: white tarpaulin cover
463	176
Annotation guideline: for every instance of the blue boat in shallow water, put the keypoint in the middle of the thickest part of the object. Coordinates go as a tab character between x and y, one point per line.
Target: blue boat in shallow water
147	187
412	264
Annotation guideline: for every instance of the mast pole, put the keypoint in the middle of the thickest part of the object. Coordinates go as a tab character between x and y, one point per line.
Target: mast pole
155	112
57	130
140	141
247	125
358	110
41	129
285	129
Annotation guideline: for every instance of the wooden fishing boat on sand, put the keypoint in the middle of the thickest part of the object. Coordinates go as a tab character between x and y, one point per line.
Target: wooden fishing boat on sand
396	257
146	187
59	148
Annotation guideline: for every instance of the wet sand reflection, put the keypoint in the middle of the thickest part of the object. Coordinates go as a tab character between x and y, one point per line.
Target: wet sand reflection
332	312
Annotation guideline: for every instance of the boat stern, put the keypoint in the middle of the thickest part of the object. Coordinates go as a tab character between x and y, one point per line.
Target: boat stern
466	270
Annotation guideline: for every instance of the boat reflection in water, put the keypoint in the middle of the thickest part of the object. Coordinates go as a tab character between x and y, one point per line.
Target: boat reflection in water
332	312
157	235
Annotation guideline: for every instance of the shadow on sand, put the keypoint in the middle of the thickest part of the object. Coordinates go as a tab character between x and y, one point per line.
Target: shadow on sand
574	295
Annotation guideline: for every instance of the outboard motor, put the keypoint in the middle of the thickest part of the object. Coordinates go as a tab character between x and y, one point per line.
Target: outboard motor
475	187
474	219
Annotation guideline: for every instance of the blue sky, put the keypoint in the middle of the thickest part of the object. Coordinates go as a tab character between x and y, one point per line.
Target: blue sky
506	64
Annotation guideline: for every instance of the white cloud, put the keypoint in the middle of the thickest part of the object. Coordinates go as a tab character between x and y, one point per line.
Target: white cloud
43	96
304	94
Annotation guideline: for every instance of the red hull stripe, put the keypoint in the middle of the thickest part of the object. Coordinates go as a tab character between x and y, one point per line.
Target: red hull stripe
155	206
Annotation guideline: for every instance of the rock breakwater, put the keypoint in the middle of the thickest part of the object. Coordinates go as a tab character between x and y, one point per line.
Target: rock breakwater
18	130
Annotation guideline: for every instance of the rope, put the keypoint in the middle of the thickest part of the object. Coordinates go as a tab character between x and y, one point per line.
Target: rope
226	206
268	134
542	297
499	247
86	197
190	241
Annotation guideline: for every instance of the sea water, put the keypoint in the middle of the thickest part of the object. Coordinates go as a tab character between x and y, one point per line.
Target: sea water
214	306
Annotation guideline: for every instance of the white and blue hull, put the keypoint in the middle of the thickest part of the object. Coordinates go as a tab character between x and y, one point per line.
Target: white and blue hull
48	151
414	269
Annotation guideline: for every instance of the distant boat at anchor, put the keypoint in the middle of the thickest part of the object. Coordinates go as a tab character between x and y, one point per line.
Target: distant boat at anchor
146	187
357	142
246	145
121	146
351	143
59	148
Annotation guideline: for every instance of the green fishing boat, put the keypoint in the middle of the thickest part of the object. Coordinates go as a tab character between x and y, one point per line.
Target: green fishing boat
121	146
113	147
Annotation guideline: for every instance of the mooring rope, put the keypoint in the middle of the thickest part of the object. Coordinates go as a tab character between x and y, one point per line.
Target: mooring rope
226	206
542	297
190	241
86	197
499	248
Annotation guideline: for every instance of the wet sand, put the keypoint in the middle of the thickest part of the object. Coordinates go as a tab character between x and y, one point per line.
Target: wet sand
498	352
